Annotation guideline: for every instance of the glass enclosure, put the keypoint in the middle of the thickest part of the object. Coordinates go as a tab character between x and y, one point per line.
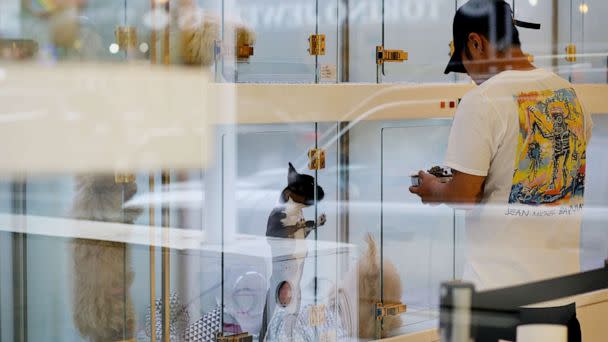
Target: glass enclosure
253	182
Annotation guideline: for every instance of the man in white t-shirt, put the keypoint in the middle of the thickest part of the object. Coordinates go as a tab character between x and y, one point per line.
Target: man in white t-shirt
517	149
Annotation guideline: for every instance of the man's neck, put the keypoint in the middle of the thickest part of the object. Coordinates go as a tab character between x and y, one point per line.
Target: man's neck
512	59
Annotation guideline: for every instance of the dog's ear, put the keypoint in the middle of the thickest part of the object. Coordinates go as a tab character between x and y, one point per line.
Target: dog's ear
284	196
292	175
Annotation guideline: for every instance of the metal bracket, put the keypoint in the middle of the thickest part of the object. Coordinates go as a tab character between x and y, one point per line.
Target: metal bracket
383	56
571	53
126	37
316	159
242	337
124	178
316	44
389	310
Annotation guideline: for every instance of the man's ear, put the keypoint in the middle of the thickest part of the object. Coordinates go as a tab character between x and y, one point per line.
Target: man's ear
476	43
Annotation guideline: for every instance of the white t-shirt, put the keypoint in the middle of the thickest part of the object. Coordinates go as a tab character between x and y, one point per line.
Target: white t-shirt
527	132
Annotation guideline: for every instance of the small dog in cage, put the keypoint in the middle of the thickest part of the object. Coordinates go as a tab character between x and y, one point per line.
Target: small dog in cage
102	307
287	221
199	31
360	291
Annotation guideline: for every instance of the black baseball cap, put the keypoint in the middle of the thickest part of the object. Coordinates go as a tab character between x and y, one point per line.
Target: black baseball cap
491	18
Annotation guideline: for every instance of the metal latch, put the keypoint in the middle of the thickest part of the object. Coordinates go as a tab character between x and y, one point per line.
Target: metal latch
389	310
316	159
242	337
452	48
390	55
244	51
124	178
316	315
316	44
126	37
571	53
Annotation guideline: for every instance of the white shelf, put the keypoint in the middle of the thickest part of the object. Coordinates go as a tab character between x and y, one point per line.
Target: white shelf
290	103
174	238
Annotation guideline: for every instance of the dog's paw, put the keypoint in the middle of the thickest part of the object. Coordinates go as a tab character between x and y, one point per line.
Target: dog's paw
322	219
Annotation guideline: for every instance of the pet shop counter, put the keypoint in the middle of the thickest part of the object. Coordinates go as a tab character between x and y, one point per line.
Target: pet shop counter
591	308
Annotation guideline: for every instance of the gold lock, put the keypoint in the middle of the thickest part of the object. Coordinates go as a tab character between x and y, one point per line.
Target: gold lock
389	310
452	48
571	53
316	45
242	337
316	315
530	57
124	178
316	159
383	56
244	51
126	37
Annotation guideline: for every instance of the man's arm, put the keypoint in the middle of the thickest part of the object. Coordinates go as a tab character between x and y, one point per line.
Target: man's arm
462	189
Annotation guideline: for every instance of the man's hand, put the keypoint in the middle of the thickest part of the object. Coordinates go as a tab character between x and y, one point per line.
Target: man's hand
462	189
426	185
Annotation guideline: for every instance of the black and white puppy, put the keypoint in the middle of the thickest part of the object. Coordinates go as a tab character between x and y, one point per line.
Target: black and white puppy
287	218
287	221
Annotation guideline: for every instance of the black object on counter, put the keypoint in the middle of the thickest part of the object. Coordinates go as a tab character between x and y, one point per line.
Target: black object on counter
491	315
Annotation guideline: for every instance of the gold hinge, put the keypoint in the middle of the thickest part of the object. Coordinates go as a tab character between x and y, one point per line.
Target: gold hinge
571	53
126	37
244	51
316	44
316	315
389	310
124	178
390	55
316	159
242	337
452	48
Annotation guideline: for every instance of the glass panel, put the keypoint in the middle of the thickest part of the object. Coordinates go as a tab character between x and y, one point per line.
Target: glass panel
594	236
259	182
580	25
285	280
411	230
538	43
329	65
429	52
594	44
66	277
282	30
380	204
364	34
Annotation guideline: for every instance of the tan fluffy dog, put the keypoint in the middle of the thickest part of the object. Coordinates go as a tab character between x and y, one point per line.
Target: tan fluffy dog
199	32
103	310
360	301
